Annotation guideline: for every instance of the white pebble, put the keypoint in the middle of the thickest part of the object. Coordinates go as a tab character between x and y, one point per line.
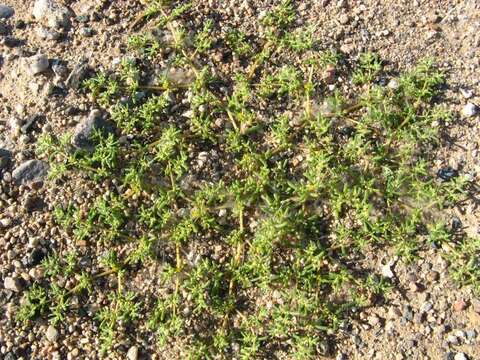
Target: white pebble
470	110
467	93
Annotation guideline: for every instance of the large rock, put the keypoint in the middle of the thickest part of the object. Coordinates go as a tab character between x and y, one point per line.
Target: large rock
82	137
6	11
30	171
52	14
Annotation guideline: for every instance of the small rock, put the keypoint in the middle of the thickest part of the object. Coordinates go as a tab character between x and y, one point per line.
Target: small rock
460	356
419	318
414	286
30	171
37	64
393	84
5	157
132	353
460	305
449	356
6	11
433	276
476	305
77	74
470	110
344	19
341	356
374	320
47	34
407	313
471	334
426	307
86	31
394	312
387	269
5	222
447	173
84	130
452	339
11	284
467	93
51	334
51	13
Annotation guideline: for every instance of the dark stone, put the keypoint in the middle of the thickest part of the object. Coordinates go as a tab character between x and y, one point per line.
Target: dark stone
20	24
456	224
35	257
447	173
30	171
5	157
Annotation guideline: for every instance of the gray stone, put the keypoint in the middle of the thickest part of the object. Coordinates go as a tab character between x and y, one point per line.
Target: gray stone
82	137
37	64
5	157
11	284
6	11
471	334
30	171
132	353
51	14
46	34
78	72
51	334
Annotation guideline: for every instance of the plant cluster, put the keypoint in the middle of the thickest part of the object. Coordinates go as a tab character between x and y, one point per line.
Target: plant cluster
261	255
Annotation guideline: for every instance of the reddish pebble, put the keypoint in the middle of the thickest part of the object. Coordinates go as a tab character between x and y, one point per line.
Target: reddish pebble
460	305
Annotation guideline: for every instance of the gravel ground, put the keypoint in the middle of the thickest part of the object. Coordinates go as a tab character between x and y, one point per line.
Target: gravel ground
426	316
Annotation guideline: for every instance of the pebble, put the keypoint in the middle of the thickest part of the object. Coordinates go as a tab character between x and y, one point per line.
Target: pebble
426	307
394	312
11	284
77	74
476	305
387	270
132	353
344	19
433	276
51	13
470	110
467	93
460	305
414	286
47	34
84	130
30	171
460	356
452	339
393	84
37	64
471	334
5	222
6	11
447	173
5	157
51	334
